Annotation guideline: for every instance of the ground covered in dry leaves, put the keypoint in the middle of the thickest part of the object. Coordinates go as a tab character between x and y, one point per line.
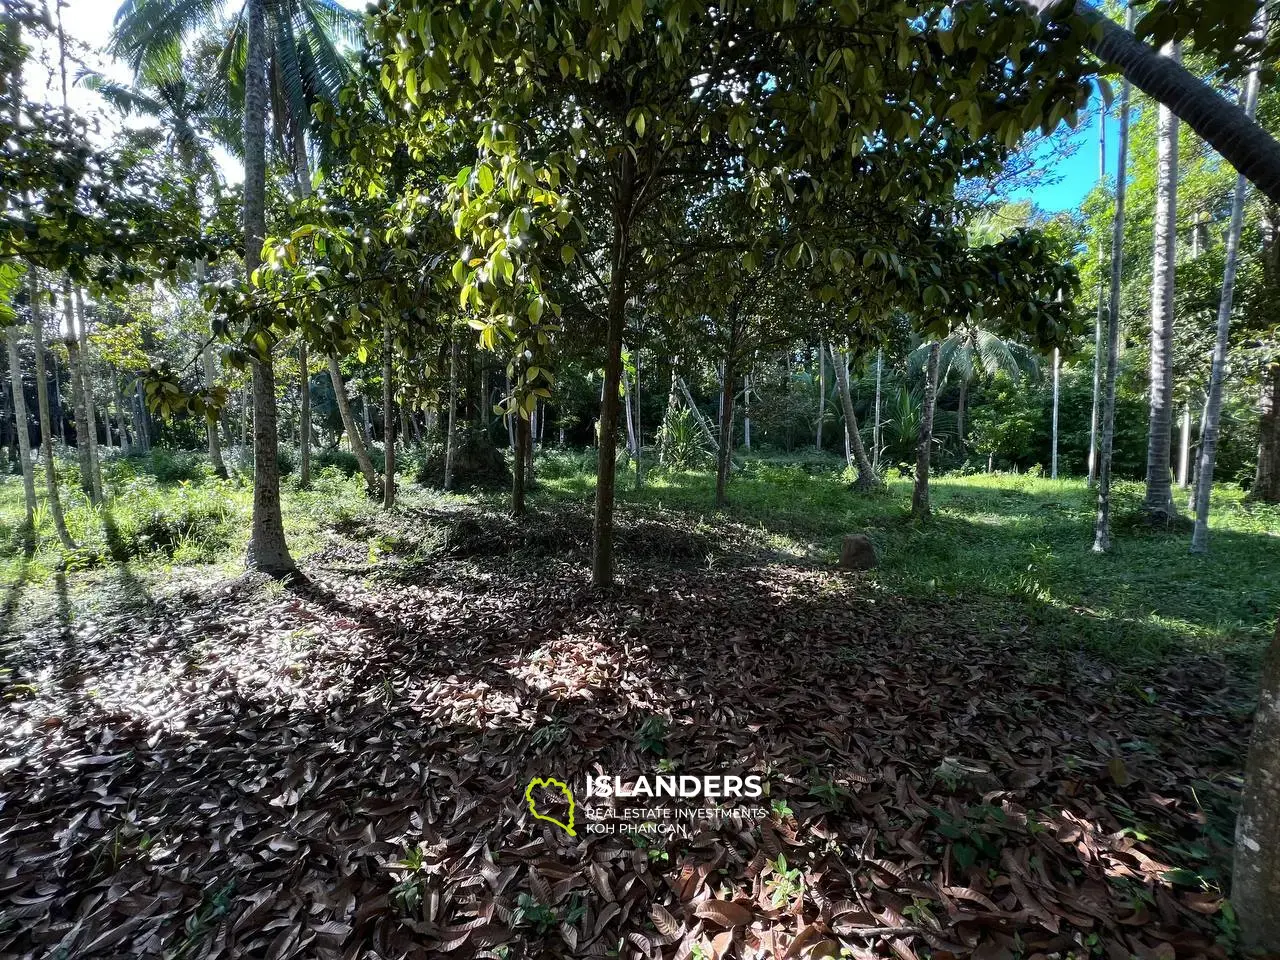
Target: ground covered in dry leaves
337	768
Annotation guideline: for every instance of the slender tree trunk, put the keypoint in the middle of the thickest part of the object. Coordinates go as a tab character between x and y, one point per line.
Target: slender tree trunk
698	418
1184	446
304	414
1266	481
76	370
626	407
1102	526
920	493
522	434
90	404
962	404
46	432
22	428
211	424
388	420
606	471
746	411
1057	393
302	173
267	549
530	480
875	427
724	451
1158	503
59	411
1255	875
1098	346
1211	420
868	478
354	436
639	428
125	441
822	392
141	416
451	420
1220	123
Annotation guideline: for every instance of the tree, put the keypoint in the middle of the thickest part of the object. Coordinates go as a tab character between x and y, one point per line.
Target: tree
10	278
586	141
1255	875
1102	525
969	352
920	490
46	424
1239	140
1158	502
1213	405
1102	307
305	67
267	549
868	478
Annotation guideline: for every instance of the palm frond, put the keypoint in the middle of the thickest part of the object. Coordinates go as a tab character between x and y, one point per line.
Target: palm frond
150	33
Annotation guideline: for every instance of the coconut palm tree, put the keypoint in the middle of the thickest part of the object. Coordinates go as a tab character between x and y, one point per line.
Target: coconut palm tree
183	113
298	44
968	354
1213	406
1102	525
1158	503
1239	139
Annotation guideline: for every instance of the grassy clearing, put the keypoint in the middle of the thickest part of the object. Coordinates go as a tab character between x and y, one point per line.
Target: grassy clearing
1022	544
1016	545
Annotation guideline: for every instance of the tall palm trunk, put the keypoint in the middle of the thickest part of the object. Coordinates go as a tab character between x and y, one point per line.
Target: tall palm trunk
868	479
1102	307
1213	406
90	404
1057	393
267	550
46	431
22	427
920	492
76	371
1220	123
1102	526
1158	503
356	439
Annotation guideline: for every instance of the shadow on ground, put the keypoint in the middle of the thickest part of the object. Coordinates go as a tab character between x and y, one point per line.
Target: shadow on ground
338	770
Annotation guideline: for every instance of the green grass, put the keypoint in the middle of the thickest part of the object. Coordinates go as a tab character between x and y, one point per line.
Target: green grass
167	522
1019	544
1016	548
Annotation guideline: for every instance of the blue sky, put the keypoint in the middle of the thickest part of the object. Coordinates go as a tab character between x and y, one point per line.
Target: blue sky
1078	173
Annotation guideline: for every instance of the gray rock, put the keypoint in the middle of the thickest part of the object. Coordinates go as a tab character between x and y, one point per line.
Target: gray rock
857	552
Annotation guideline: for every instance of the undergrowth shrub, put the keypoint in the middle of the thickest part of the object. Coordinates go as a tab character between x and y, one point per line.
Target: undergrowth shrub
343	461
171	466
